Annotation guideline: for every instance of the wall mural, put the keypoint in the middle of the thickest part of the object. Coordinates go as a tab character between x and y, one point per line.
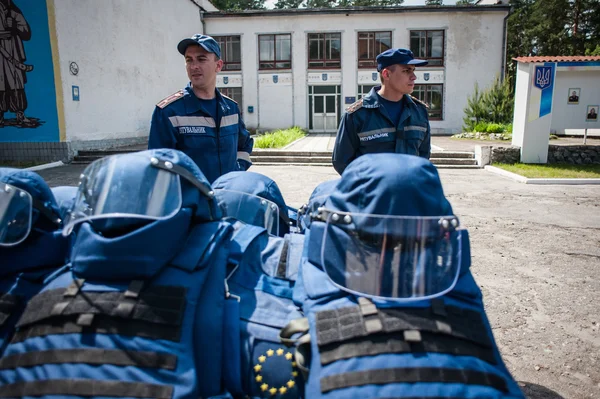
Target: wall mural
27	92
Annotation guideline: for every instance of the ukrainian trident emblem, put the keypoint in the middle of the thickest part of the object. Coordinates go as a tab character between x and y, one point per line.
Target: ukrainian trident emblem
543	77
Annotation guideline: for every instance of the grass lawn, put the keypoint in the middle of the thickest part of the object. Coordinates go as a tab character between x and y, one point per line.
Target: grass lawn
278	138
554	171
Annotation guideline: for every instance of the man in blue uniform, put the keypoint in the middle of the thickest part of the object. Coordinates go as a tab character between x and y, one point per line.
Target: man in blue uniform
199	120
388	119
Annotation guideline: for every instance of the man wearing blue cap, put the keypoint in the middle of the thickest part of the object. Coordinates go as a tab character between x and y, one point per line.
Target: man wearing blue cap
199	120
388	119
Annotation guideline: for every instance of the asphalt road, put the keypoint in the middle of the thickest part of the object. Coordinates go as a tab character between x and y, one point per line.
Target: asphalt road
535	255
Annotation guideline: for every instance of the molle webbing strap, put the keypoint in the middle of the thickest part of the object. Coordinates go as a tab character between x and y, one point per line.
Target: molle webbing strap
387	343
8	304
86	388
282	264
344	324
100	325
136	311
412	376
91	356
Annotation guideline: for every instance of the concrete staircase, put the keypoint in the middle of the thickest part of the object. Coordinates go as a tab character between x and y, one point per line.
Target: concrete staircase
442	159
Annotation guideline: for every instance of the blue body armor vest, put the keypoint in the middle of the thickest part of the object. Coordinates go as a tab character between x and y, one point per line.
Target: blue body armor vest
25	266
127	319
263	273
361	348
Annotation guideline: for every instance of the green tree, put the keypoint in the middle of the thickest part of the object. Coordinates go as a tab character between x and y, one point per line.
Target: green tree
288	4
552	28
475	111
466	2
239	5
498	101
433	2
492	105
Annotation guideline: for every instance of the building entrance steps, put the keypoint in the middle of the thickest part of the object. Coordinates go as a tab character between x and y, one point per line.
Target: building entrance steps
317	149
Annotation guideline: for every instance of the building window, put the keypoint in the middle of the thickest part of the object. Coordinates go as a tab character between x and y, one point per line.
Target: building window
428	45
370	44
231	52
235	93
324	50
275	51
432	95
363	90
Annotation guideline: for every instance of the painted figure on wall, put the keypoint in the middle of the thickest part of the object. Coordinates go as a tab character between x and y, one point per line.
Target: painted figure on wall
14	29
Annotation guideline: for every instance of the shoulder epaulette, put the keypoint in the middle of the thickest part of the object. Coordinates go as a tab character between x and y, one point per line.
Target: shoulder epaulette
419	102
357	105
229	98
168	100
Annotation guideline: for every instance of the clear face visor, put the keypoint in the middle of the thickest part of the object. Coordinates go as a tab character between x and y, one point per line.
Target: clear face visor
125	186
16	207
388	257
249	208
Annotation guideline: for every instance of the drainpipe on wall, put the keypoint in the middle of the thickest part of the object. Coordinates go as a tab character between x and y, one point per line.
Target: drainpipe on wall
504	44
201	12
202	23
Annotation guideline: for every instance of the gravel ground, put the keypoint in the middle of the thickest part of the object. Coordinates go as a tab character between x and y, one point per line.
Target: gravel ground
535	255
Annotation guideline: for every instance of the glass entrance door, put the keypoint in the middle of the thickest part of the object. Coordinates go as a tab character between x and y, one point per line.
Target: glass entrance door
324	104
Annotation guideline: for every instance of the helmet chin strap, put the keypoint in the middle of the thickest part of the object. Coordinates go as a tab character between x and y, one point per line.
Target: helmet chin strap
48	213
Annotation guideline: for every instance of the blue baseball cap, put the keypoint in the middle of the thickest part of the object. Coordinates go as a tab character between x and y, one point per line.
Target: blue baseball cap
397	56
206	42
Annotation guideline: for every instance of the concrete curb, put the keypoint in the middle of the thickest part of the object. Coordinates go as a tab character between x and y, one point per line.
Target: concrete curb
46	166
525	180
292	143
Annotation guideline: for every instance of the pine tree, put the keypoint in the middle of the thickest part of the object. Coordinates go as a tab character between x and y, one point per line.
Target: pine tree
475	111
433	2
288	4
498	101
239	5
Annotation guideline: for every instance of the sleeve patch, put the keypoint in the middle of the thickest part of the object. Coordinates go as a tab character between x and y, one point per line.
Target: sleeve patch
168	100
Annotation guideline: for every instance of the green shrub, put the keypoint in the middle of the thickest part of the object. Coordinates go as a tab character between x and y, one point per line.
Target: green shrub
494	128
278	138
508	128
480	127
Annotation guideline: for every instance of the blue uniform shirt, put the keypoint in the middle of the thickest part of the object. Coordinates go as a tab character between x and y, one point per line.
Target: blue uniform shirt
366	128
218	146
393	108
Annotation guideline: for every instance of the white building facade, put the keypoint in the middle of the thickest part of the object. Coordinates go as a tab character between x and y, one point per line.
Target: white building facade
304	67
94	70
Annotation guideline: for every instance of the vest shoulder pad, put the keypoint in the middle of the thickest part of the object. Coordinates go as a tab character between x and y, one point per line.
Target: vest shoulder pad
168	100
356	106
417	101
